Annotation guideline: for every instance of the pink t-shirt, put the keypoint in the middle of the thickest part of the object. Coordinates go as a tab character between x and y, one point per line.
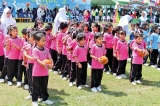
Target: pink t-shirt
97	51
122	47
81	53
53	43
5	42
14	52
1	44
108	39
38	70
143	43
49	40
23	43
69	40
91	38
60	41
114	42
87	35
136	58
64	50
29	49
72	46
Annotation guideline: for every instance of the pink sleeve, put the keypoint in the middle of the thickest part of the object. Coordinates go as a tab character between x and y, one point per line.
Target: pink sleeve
117	47
59	37
114	41
134	47
75	52
35	54
104	51
105	38
70	46
48	53
92	51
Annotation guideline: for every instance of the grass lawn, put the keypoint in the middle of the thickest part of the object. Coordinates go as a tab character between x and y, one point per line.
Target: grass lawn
115	92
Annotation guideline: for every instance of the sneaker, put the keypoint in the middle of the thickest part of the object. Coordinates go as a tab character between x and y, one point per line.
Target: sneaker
119	77
146	64
70	84
74	83
94	89
34	103
47	102
158	69
86	86
133	83
18	84
99	88
107	72
114	74
138	82
79	87
39	99
28	97
124	76
26	86
153	66
10	83
64	78
1	80
56	72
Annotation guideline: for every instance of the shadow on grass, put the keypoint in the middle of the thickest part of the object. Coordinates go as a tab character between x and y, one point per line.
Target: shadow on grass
151	83
56	96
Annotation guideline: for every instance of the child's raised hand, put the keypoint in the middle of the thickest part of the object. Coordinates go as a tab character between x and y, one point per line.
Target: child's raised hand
79	65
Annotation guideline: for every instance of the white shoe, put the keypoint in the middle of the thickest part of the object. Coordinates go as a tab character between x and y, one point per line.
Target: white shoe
94	89
153	66
28	97
146	64
129	59
79	87
86	86
124	76
56	72
133	83
10	83
158	69
39	99
138	82
26	86
108	72
34	103
114	74
99	88
18	84
70	84
48	102
64	78
1	80
119	77
74	83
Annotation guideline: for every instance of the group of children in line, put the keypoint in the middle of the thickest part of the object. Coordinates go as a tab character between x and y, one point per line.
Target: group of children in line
72	49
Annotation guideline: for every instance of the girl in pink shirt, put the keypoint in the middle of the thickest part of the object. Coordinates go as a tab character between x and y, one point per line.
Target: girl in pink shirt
59	43
122	55
107	39
14	48
80	56
38	24
1	50
137	61
40	70
49	36
96	52
53	49
114	42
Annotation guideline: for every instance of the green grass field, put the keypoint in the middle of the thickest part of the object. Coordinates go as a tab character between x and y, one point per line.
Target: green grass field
115	92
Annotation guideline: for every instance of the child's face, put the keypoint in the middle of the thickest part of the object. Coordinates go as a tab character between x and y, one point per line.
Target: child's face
95	29
117	33
110	29
40	24
157	30
42	41
64	30
99	40
31	40
122	36
14	33
139	40
82	42
132	26
147	26
85	28
49	31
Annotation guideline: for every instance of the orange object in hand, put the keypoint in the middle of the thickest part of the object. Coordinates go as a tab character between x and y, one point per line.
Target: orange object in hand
143	54
47	61
104	60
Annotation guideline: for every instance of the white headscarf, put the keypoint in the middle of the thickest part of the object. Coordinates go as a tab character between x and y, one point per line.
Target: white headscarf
5	21
144	19
60	17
